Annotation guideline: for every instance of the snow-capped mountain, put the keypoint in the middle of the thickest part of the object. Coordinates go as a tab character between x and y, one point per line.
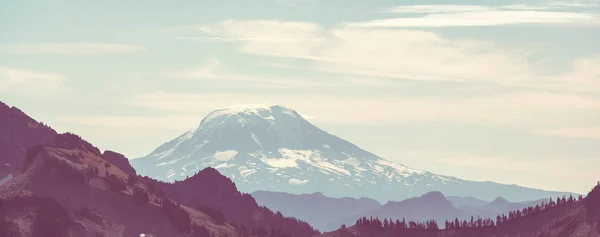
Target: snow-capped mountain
274	148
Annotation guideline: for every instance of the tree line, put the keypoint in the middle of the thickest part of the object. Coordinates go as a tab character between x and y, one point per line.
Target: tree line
592	202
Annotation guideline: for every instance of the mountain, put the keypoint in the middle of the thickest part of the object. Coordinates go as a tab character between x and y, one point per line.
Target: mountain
120	161
328	213
564	218
274	148
318	210
432	205
458	201
67	189
18	132
212	192
499	206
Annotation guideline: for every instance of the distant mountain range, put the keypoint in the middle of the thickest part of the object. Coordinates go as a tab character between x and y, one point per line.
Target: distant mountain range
564	218
274	148
324	213
328	213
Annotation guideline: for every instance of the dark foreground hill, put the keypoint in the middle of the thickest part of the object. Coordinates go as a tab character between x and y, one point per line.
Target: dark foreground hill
67	189
18	132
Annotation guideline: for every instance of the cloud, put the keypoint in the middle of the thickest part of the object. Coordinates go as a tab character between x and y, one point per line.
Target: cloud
406	54
207	71
585	70
291	2
512	109
588	133
495	168
71	48
172	122
297	182
29	81
213	69
453	8
437	8
477	15
484	18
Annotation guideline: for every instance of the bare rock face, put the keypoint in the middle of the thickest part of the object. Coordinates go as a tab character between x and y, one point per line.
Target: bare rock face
120	161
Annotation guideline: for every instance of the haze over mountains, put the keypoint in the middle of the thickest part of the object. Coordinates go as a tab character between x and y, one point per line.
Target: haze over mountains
561	218
328	214
324	213
273	148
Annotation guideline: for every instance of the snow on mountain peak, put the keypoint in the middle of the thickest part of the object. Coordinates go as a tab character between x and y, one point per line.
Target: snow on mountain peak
273	148
250	110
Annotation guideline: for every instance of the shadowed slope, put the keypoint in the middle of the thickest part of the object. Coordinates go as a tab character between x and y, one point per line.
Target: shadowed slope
68	189
209	190
18	132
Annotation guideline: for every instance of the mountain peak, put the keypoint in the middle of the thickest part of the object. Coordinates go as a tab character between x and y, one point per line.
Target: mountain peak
500	201
71	141
317	194
435	195
245	112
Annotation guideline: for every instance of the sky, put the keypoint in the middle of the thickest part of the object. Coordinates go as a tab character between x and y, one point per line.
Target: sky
504	91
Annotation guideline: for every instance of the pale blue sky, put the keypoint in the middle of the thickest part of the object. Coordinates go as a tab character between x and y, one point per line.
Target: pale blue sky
507	91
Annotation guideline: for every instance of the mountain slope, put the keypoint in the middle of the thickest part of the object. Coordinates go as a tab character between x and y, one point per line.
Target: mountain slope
18	132
273	148
458	201
318	210
68	189
209	190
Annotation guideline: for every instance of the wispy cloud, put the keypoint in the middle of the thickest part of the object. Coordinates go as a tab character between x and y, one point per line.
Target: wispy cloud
480	15
210	70
484	18
496	167
512	109
297	182
133	122
291	2
402	54
453	8
437	8
214	70
29	81
71	48
589	132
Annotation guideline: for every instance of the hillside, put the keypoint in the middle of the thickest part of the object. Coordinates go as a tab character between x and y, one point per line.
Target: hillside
214	193
18	132
68	189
